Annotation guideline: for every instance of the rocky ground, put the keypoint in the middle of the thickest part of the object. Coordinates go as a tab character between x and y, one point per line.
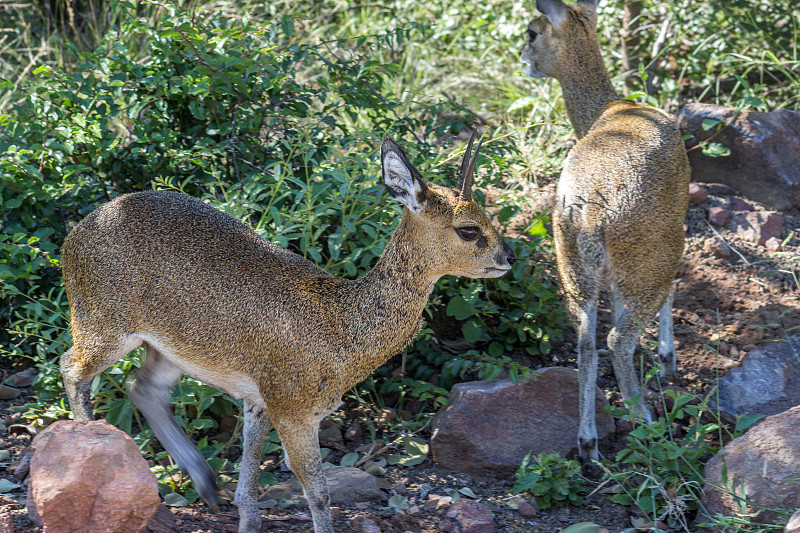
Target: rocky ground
732	295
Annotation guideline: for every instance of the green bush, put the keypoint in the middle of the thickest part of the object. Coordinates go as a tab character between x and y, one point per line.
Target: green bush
278	133
552	479
660	470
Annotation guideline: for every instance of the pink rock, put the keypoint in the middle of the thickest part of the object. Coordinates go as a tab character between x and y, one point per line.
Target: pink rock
758	226
718	188
6	523
490	426
760	466
737	204
718	215
773	244
697	193
793	526
471	517
90	476
527	510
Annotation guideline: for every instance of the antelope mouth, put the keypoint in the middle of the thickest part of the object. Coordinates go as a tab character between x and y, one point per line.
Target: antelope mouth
496	272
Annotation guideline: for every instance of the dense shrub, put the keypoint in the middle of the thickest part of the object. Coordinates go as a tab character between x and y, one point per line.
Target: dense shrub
280	134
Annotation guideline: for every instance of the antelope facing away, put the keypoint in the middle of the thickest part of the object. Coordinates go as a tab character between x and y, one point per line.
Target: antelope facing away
208	297
621	202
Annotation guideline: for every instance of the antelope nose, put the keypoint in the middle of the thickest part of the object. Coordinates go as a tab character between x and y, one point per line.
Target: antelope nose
510	257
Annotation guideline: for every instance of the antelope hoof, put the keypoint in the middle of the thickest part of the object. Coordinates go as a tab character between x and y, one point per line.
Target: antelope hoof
668	363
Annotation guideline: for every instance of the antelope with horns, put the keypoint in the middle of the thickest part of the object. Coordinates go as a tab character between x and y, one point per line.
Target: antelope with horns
621	202
208	297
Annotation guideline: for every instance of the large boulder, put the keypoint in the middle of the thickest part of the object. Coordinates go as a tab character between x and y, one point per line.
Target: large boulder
490	426
767	382
757	470
764	163
90	476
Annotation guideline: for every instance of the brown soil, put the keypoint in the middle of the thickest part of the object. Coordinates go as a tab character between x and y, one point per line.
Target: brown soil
731	297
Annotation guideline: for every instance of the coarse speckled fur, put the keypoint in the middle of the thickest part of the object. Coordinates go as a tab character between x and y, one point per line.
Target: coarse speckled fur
210	298
621	201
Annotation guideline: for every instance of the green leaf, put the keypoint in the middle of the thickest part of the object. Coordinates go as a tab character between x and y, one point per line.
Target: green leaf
398	502
459	308
582	527
266	478
716	150
7	486
349	459
709	123
416	446
173	499
744	422
406	460
472	331
466	491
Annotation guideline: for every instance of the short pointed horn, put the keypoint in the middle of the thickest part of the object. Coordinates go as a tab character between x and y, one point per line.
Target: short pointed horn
468	170
465	161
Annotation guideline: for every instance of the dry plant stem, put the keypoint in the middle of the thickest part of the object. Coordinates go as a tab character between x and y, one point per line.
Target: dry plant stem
720	237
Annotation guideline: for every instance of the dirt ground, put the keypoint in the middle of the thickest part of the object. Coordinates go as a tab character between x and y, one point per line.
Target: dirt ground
731	297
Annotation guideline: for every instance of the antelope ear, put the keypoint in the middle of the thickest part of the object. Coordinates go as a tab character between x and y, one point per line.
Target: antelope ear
591	4
403	181
554	10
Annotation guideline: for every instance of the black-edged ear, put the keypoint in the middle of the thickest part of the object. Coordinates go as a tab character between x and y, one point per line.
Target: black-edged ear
554	10
403	181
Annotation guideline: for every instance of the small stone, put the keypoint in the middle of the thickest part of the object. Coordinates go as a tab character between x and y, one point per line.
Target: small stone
8	393
24	378
354	432
773	244
718	188
793	526
757	226
370	526
527	510
697	193
471	517
385	417
363	506
515	501
330	432
737	204
718	215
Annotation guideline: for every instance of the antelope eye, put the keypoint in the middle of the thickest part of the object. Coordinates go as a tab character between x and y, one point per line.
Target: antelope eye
468	233
531	35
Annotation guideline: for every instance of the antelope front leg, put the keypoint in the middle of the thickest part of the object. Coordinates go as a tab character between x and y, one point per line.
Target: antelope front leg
256	427
301	444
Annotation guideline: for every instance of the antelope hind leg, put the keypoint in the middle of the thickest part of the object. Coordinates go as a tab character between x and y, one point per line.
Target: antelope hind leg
666	342
151	392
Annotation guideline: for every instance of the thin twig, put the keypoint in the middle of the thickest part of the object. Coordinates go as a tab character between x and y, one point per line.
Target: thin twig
746	262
